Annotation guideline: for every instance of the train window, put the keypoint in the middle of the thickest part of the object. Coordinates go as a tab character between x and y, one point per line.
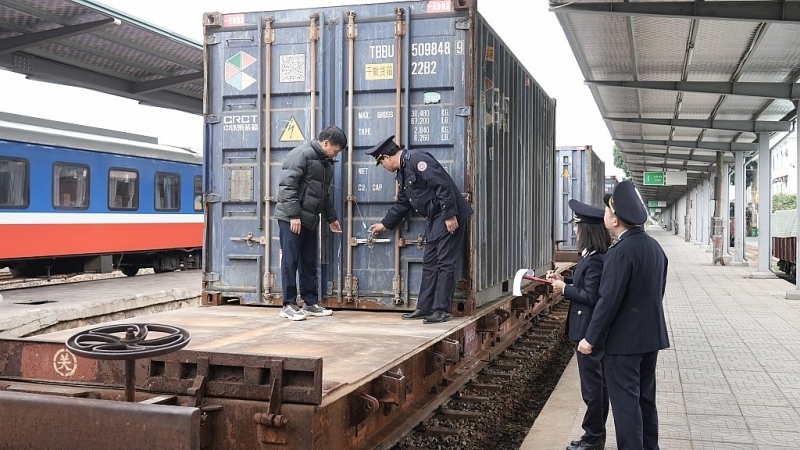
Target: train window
168	191
70	186
123	189
14	183
198	193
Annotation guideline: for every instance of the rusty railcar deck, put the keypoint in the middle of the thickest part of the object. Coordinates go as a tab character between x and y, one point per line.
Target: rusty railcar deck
249	379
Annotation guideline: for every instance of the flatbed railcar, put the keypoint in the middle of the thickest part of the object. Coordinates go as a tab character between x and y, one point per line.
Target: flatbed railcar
76	199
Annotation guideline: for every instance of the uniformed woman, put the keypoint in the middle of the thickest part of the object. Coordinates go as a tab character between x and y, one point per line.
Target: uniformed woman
582	290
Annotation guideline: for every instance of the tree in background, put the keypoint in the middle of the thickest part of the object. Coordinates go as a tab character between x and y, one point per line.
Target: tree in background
620	164
748	174
784	201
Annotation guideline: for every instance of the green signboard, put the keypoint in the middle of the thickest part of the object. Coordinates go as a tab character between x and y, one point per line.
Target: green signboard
652	204
654	178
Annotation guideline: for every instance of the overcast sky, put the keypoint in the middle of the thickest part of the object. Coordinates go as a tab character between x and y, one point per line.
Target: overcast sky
531	32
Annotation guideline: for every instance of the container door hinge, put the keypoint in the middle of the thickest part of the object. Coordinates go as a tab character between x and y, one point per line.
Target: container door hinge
212	39
211	276
211	197
463	25
464	111
212	118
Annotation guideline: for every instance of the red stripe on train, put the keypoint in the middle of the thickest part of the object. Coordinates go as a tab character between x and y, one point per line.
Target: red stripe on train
27	241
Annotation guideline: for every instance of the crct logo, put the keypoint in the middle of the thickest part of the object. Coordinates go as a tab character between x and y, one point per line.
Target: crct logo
234	71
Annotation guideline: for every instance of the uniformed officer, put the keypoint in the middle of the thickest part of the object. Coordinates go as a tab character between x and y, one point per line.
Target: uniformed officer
427	188
629	320
582	290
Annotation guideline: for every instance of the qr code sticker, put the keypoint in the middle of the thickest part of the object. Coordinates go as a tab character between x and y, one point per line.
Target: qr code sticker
293	68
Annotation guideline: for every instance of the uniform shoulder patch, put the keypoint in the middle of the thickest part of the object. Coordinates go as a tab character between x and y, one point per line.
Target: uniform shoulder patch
421	166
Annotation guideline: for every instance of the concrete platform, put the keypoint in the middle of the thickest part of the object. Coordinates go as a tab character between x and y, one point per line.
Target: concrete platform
28	311
731	379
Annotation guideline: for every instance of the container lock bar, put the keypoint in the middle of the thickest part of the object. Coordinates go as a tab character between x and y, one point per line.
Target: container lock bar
370	241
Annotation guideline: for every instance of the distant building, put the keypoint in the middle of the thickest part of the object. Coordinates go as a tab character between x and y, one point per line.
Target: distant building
784	166
610	183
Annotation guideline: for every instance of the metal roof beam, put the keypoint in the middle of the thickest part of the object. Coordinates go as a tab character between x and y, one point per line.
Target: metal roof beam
752	126
679	167
695	158
700	145
155	85
748	11
42	37
779	91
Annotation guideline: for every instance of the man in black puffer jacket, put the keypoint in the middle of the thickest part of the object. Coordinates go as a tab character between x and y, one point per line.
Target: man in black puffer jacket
304	194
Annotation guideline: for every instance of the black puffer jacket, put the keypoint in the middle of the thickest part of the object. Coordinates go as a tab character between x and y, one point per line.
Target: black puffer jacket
305	186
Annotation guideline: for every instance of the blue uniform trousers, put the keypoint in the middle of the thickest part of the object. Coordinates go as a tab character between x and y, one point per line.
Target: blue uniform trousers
439	271
632	387
299	257
595	395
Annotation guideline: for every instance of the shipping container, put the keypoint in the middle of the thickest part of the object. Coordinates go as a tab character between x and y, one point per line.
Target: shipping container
581	175
434	74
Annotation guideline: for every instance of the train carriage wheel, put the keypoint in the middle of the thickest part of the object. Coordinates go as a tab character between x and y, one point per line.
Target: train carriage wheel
129	271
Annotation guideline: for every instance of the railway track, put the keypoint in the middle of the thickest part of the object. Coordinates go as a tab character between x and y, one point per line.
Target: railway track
497	408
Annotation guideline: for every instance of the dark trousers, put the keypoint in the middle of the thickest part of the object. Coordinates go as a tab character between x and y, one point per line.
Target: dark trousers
299	257
439	271
632	387
595	395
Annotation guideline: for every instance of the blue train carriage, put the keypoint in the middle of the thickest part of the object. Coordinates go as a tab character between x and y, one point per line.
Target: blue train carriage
77	199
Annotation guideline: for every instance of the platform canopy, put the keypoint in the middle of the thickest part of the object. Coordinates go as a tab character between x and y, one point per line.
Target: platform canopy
85	44
677	82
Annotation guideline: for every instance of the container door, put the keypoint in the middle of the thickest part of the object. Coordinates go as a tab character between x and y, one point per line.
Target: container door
410	85
261	105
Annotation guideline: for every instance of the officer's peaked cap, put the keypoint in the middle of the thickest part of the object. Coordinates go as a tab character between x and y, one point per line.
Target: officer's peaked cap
383	148
583	213
626	205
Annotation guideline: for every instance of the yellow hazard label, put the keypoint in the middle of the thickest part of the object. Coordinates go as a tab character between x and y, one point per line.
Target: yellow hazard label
565	173
383	71
292	132
489	54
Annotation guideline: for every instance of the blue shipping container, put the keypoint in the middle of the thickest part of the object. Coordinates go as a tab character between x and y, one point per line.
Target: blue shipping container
434	74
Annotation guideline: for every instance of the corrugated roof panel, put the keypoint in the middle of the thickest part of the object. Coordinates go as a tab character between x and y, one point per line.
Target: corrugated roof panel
719	135
698	106
114	59
718	49
738	107
626	130
686	134
605	44
774	60
661	44
658	104
777	110
618	101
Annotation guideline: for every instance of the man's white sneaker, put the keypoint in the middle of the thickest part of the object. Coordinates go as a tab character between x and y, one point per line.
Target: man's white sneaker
316	310
292	312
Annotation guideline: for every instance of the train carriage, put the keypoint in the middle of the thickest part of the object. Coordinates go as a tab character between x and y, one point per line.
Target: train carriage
79	199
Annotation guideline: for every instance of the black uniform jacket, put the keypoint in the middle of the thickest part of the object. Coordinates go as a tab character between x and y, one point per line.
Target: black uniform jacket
428	189
629	316
582	291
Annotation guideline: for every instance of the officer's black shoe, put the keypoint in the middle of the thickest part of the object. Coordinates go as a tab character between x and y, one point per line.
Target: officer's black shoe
417	314
583	445
437	316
